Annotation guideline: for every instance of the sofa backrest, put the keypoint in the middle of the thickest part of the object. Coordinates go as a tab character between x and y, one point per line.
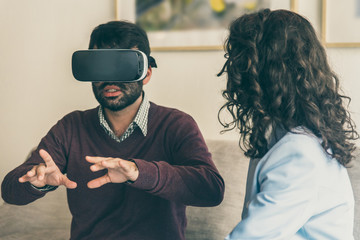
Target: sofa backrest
210	223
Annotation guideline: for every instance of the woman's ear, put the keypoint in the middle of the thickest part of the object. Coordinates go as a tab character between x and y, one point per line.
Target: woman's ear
148	76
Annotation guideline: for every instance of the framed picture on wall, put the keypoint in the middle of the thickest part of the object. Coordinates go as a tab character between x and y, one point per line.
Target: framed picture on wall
341	23
190	24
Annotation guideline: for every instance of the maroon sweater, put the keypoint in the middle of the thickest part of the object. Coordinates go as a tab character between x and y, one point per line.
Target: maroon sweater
175	170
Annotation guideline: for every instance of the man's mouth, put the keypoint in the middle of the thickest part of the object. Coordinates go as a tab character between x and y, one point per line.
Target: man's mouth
111	91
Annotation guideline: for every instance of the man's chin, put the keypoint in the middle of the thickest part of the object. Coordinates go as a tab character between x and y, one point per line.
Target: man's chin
113	108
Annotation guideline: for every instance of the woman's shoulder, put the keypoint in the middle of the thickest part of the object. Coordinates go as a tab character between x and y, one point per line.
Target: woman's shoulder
300	147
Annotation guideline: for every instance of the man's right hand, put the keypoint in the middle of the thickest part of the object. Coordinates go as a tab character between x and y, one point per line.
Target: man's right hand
47	174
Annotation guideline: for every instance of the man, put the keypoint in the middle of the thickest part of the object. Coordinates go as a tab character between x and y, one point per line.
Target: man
130	166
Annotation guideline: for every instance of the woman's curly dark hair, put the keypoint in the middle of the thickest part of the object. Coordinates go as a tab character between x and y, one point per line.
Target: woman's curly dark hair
278	74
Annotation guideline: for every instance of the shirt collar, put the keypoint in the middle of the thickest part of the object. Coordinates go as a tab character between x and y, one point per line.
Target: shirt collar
274	133
140	120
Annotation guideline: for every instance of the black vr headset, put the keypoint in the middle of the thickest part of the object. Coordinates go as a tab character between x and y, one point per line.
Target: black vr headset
110	65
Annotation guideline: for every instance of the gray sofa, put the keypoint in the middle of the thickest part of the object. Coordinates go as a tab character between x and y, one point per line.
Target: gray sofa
49	217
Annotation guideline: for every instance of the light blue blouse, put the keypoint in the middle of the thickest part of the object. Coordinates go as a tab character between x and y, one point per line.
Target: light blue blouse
296	191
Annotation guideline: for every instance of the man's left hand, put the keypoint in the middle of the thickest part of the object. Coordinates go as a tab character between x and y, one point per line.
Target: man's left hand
119	170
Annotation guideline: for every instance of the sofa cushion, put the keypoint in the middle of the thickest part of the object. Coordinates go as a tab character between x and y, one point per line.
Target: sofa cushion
46	218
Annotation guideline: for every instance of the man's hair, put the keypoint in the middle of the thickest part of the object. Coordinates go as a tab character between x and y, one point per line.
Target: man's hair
121	35
278	75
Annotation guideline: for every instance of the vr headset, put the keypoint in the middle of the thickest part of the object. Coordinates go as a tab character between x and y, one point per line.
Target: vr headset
110	65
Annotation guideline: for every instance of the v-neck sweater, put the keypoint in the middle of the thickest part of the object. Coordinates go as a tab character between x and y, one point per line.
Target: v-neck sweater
175	170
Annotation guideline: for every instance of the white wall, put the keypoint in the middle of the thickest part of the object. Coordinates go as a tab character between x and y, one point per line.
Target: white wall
37	39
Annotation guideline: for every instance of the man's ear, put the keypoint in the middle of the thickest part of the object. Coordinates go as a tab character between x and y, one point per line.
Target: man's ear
148	76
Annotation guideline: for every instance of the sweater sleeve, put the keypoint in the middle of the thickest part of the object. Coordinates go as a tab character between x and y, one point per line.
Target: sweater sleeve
190	176
14	192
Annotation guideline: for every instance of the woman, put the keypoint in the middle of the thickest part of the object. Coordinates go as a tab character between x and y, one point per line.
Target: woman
285	101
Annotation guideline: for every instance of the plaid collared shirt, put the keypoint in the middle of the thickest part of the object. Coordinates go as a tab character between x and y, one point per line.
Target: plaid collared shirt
140	120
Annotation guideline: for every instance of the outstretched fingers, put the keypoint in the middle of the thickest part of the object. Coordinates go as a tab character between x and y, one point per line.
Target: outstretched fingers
40	171
100	163
47	158
30	175
36	173
98	182
118	170
92	159
47	173
68	183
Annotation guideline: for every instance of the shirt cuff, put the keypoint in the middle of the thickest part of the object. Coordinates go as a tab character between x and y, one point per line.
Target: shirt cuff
46	188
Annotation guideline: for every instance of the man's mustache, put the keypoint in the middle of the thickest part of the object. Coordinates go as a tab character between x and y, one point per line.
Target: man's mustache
103	85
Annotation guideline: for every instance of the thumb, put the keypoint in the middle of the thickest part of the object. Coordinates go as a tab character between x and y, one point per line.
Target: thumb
68	183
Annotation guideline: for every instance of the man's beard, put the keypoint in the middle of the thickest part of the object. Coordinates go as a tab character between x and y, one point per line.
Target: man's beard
130	92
